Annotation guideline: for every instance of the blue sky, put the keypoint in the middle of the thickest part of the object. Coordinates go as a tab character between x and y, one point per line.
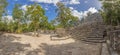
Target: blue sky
78	7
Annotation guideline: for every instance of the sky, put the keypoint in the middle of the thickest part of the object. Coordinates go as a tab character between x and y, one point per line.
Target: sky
79	8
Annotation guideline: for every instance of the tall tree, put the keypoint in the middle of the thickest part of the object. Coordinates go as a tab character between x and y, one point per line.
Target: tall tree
17	16
110	11
3	4
17	13
36	15
64	17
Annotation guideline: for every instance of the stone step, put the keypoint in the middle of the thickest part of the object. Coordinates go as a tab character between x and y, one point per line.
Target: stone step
94	41
96	33
94	38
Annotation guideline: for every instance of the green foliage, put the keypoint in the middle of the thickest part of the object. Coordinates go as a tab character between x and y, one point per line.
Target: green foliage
12	27
2	26
17	12
64	17
25	21
3	4
111	11
17	16
36	15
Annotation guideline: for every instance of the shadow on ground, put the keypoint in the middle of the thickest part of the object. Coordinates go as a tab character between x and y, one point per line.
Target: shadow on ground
8	47
34	52
70	49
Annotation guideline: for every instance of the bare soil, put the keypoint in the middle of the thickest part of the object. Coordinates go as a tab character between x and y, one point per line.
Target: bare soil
20	44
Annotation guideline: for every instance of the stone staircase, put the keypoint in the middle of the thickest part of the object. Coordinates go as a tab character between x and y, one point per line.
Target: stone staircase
90	32
96	35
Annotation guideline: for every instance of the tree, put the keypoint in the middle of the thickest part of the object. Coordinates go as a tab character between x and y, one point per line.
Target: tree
17	16
64	17
3	5
110	12
36	15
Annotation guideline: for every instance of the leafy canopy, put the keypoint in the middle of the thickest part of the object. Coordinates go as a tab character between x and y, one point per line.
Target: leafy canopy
111	11
64	17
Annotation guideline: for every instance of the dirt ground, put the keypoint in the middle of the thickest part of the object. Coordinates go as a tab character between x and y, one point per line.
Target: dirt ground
21	44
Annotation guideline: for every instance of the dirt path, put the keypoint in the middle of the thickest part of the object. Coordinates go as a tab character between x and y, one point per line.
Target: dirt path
19	44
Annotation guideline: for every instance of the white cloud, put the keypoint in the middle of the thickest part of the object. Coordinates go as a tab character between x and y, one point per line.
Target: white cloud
24	7
92	10
55	1
7	18
74	2
46	1
85	1
81	14
9	11
71	8
76	13
46	8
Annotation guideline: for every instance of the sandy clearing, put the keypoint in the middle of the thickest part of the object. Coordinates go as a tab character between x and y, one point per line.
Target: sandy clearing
36	41
20	44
